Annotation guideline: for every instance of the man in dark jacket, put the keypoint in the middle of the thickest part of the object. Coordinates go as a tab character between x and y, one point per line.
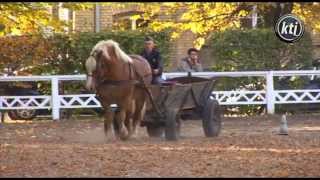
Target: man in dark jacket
154	58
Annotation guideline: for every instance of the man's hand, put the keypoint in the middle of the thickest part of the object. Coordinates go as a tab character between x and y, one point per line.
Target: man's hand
156	71
194	61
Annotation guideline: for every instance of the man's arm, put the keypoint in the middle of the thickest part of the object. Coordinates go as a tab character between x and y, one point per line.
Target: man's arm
159	60
184	66
199	67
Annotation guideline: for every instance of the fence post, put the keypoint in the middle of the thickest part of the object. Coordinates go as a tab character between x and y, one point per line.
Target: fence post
270	93
55	98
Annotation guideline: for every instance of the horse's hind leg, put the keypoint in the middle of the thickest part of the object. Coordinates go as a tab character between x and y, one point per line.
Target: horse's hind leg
138	115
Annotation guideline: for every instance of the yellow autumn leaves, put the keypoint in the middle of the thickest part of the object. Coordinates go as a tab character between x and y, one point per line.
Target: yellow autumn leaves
15	49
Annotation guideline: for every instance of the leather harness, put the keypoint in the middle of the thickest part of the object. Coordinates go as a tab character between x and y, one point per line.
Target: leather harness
140	80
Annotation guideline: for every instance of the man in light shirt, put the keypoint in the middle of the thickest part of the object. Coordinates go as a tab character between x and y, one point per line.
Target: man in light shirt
191	63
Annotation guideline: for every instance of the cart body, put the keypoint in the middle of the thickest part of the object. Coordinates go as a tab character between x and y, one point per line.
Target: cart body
169	99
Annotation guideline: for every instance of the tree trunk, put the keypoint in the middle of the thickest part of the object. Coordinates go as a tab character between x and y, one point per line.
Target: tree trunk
275	11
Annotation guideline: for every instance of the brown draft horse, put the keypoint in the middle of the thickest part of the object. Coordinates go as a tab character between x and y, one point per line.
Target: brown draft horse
117	78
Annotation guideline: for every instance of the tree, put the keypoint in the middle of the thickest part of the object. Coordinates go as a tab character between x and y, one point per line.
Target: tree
32	17
205	18
201	18
26	23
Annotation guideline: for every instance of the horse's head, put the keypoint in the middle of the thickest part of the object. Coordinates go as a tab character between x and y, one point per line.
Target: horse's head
91	65
102	56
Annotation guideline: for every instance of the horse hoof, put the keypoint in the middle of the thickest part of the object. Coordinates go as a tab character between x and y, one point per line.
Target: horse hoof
123	138
123	134
133	135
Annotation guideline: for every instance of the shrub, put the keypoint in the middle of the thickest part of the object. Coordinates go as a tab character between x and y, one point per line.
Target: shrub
21	51
67	53
257	50
132	42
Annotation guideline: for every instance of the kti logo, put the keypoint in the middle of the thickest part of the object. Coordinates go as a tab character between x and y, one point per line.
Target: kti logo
289	28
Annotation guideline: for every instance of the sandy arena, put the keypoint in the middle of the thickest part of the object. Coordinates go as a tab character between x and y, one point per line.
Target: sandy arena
246	147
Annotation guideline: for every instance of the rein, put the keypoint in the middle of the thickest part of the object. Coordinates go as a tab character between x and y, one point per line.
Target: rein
122	82
119	82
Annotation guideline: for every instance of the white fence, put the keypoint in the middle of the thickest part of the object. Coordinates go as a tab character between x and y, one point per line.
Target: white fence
268	96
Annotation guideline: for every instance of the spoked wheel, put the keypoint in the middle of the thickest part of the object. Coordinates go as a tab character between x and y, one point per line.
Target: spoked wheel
211	118
65	114
155	130
25	114
173	125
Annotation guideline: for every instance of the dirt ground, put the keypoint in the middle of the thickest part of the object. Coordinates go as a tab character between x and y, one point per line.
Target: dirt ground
246	147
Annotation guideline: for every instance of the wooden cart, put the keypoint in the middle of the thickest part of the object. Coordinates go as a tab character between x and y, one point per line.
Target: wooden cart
168	100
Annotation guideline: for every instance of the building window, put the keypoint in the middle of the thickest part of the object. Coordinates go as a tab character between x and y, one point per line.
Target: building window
63	14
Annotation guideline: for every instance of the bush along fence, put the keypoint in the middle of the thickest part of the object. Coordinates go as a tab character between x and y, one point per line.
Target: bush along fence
66	53
258	50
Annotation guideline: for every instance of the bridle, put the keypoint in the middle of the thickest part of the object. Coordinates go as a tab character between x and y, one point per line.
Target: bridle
94	57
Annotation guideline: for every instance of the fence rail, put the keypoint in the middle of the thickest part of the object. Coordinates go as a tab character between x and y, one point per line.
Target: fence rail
268	96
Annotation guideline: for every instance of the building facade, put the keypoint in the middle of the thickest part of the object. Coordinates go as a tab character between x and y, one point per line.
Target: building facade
104	18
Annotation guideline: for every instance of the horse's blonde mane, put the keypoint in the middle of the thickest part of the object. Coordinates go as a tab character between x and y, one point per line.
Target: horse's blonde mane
101	46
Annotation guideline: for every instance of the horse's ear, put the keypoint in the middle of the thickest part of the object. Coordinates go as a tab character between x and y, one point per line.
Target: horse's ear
112	52
98	54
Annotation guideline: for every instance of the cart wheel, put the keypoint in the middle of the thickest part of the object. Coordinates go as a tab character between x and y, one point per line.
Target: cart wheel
211	118
65	114
173	123
25	114
154	130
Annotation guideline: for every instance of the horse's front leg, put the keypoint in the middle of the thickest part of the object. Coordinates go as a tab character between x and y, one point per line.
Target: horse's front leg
108	118
120	122
129	118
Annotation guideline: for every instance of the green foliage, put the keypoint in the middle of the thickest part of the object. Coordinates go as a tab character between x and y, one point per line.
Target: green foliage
202	18
23	51
33	17
66	54
257	50
132	42
59	59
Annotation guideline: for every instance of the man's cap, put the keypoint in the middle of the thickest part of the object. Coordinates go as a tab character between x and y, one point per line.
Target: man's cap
148	38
